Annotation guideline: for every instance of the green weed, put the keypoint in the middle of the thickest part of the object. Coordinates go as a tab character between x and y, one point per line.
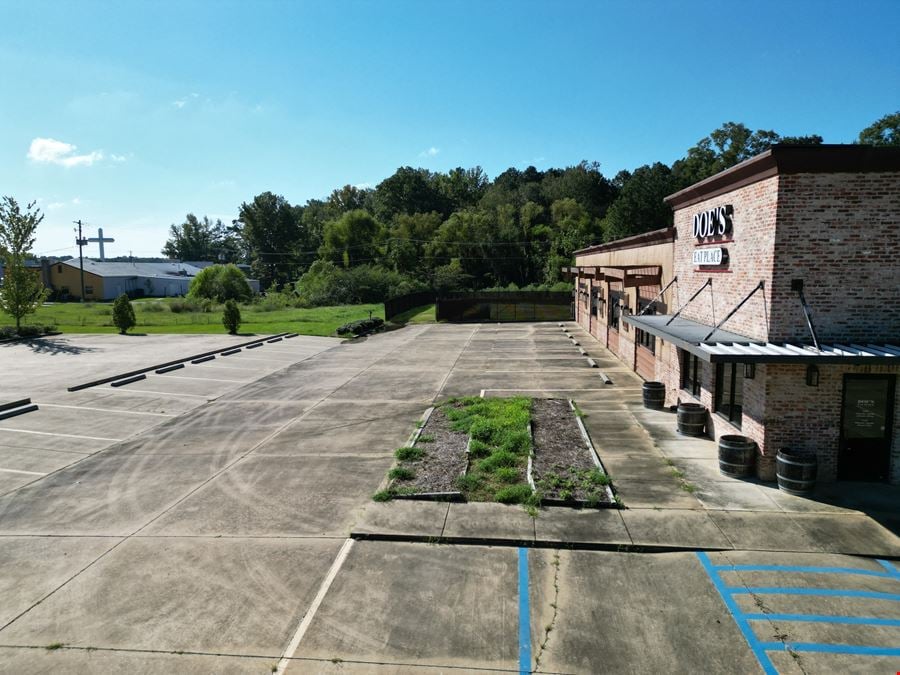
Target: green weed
401	473
409	454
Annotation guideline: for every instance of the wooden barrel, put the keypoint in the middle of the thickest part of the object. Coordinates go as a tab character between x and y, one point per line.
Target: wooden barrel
654	395
737	455
691	419
795	471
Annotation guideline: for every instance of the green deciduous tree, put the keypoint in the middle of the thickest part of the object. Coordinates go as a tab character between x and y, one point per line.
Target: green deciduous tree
123	314
352	239
221	283
197	239
409	191
885	131
640	206
273	233
728	145
22	291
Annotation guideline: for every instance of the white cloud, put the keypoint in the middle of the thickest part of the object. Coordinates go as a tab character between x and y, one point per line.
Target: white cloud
363	186
117	158
430	152
52	206
51	151
180	103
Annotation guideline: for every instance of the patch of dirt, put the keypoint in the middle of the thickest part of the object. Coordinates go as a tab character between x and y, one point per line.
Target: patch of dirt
444	461
563	469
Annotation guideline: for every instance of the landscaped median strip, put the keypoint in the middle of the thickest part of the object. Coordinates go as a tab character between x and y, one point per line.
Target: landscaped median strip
486	449
258	342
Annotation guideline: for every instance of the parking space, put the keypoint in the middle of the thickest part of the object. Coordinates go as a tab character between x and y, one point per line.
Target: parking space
827	606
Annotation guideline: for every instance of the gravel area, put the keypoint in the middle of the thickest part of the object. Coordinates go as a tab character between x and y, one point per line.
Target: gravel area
444	460
563	469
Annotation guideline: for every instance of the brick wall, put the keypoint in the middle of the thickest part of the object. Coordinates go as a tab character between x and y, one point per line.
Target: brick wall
751	260
840	233
808	418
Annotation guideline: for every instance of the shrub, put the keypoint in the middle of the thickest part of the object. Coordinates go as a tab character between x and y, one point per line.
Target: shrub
30	331
123	314
327	284
274	301
324	284
152	306
220	283
361	327
191	305
231	317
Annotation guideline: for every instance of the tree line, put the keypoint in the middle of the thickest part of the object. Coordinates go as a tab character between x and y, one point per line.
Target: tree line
420	229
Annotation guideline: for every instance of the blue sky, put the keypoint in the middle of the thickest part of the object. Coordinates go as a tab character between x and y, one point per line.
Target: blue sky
130	114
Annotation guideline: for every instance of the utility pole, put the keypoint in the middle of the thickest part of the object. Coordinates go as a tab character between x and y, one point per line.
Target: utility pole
81	242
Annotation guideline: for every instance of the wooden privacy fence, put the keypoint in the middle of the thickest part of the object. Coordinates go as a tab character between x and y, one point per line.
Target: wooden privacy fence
506	306
404	303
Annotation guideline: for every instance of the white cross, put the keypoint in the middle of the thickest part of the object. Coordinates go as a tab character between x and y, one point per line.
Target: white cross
99	239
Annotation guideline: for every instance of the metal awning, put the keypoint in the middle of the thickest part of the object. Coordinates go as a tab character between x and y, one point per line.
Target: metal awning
789	352
684	333
723	346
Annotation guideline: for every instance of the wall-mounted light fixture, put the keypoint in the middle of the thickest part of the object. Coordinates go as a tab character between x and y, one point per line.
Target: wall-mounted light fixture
749	371
812	376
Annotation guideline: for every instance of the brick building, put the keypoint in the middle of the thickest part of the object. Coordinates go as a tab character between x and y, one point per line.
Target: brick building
774	301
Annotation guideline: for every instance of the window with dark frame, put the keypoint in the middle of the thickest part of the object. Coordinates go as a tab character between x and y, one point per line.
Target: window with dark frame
690	373
729	400
615	309
642	337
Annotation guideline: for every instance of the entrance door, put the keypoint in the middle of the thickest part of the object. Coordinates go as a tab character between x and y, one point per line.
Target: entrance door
867	416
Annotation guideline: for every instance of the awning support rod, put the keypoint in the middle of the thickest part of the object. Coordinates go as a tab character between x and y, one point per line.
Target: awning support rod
797	285
675	315
651	303
759	286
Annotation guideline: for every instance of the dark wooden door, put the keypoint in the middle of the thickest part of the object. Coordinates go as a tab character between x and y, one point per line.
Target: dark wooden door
867	416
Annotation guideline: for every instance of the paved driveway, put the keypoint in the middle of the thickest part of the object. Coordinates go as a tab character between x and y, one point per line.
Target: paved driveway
198	521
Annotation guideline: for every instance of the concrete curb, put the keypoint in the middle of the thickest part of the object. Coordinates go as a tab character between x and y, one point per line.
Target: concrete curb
203	359
168	369
14	404
15	412
542	543
128	380
113	378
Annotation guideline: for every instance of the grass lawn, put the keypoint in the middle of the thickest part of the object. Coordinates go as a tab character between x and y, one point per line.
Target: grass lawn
423	314
156	316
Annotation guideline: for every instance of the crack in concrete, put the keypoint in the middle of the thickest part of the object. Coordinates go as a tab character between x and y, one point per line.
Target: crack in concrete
555	605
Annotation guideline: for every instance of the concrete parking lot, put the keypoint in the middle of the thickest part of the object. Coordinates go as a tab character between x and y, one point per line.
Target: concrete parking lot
200	521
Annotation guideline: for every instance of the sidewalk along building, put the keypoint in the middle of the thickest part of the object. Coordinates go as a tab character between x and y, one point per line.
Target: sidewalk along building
774	302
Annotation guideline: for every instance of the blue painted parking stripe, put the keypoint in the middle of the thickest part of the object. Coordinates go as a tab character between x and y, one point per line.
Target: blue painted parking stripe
792	568
837	592
738	616
524	615
832	649
823	618
891	568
